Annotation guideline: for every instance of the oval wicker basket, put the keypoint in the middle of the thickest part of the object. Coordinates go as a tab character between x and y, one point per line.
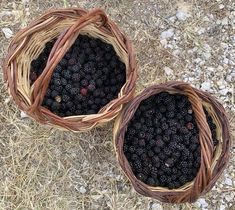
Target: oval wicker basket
66	25
213	162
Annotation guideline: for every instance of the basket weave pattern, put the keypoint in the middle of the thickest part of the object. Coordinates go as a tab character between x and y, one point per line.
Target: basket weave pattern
213	161
65	25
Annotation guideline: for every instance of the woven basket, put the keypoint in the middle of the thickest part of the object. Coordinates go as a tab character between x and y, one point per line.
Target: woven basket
213	161
65	25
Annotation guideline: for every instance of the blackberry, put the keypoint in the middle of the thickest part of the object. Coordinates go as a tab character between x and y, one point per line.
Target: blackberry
150	153
54	93
171	107
79	98
64	82
141	134
150	181
76	77
48	102
139	151
67	74
142	142
72	61
157	150
152	142
137	165
141	177
132	149
162	109
164	126
167	151
91	87
69	104
159	143
99	82
188	118
74	91
170	114
155	159
57	82
65	98
104	101
58	88
55	106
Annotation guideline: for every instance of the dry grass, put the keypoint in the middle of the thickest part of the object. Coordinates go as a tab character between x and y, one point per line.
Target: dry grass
44	168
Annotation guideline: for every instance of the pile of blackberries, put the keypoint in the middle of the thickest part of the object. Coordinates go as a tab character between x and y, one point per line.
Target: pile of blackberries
162	143
88	77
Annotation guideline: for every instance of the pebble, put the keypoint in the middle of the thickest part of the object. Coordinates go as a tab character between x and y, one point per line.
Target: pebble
224	21
222	207
201	203
157	206
167	34
181	15
163	42
7	100
23	115
168	70
206	86
7	32
82	189
228	182
224	91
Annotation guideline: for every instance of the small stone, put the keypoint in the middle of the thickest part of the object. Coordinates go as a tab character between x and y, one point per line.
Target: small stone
206	86
224	92
201	31
23	115
168	70
183	11
222	207
163	42
82	189
167	34
221	6
224	21
206	55
7	100
157	206
7	32
201	203
181	15
228	181
230	197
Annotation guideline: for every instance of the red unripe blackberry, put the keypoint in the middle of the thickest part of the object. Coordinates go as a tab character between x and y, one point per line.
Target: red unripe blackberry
83	91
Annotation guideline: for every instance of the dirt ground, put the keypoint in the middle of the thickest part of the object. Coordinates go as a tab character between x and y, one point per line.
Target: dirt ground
47	169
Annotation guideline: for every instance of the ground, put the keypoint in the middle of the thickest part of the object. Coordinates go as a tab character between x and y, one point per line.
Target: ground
44	168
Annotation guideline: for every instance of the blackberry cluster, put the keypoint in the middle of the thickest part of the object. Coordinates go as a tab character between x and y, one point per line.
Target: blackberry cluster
88	77
162	143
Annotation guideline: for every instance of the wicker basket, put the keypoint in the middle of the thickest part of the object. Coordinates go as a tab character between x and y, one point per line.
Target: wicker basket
213	161
66	25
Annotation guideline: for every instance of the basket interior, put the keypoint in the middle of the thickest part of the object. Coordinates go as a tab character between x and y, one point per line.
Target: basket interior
216	155
36	45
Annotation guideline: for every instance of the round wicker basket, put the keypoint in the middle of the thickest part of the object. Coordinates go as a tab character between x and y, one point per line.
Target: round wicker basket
65	25
213	161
